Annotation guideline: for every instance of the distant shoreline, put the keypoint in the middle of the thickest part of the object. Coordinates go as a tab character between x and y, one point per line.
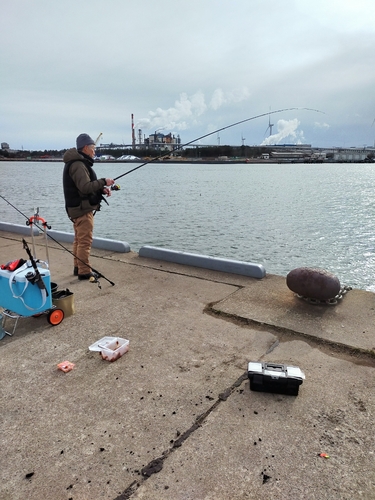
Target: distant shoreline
161	160
191	161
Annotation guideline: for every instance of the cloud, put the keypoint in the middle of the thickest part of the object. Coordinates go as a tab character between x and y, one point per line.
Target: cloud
313	54
323	126
217	99
220	98
188	109
287	129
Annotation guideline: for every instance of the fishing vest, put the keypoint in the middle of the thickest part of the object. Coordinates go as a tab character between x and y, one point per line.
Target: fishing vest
72	196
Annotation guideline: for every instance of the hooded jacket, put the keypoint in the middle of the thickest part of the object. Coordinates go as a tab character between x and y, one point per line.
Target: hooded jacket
82	189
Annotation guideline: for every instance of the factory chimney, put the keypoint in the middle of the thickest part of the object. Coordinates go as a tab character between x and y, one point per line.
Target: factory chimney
133	132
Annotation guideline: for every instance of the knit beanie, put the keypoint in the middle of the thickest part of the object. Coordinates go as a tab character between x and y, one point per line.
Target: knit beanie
84	140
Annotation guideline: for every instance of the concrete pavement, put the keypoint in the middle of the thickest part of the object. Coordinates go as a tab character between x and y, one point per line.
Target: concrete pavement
174	418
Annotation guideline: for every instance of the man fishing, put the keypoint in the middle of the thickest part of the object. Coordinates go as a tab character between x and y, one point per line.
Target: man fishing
83	192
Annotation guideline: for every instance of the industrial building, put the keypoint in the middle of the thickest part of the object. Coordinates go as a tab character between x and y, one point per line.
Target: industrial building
158	141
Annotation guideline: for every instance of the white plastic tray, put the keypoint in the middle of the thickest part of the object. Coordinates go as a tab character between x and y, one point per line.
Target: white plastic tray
103	342
110	348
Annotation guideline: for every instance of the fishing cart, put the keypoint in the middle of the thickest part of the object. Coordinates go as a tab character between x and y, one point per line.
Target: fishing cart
25	286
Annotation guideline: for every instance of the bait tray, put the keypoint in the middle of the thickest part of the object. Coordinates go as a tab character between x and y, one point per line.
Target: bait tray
110	348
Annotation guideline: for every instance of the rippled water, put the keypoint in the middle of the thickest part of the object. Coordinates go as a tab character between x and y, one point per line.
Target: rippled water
280	215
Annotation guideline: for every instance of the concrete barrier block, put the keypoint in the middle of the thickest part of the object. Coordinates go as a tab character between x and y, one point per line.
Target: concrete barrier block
114	245
18	228
204	261
102	243
63	237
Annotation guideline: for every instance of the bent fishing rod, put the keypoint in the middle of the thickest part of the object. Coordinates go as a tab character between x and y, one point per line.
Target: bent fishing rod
98	273
211	133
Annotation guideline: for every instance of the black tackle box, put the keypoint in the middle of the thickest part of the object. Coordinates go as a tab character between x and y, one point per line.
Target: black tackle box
273	377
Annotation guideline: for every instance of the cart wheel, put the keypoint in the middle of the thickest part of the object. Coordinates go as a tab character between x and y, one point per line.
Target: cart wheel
55	317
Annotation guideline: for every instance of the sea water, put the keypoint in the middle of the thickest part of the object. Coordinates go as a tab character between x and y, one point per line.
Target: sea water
282	216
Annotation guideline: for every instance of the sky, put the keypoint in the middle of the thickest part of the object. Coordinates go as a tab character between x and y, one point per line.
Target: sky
190	68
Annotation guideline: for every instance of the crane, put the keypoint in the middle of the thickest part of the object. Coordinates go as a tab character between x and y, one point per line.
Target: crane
98	138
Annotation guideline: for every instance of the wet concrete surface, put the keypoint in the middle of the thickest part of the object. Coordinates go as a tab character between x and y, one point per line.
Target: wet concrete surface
174	418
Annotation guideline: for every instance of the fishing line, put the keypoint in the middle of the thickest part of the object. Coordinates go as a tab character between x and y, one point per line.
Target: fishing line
100	275
211	133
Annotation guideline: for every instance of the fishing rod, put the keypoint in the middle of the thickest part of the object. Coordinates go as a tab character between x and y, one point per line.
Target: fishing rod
98	273
211	133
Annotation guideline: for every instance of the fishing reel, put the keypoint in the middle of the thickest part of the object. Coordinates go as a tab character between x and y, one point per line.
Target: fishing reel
115	187
35	279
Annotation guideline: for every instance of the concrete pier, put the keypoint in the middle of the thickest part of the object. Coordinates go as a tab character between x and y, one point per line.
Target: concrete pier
174	418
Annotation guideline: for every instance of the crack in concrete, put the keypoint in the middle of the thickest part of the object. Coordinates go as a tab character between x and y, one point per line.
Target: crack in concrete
156	465
272	347
356	355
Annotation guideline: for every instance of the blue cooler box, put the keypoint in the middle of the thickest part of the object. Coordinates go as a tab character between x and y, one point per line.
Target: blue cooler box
23	297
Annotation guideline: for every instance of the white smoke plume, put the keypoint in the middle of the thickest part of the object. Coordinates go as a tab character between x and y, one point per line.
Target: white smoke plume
220	98
187	110
321	125
286	129
177	117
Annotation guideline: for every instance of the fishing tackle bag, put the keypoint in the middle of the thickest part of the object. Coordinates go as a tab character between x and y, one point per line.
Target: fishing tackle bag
64	299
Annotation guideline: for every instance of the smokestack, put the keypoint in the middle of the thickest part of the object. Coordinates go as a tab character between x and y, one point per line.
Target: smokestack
133	133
